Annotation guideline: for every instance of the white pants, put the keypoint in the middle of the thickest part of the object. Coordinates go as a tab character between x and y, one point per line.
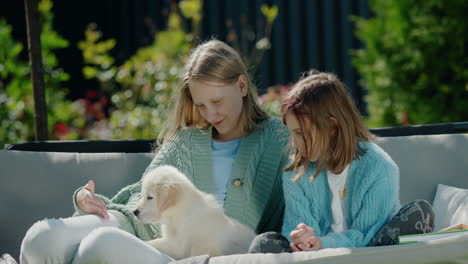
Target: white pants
85	239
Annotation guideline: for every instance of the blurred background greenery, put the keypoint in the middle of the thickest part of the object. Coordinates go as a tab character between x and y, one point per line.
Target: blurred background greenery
415	63
412	65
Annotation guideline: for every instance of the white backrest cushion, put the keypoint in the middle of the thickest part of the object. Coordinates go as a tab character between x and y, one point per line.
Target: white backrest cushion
450	206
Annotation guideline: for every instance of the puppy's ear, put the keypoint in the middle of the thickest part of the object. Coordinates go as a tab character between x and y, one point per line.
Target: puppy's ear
168	194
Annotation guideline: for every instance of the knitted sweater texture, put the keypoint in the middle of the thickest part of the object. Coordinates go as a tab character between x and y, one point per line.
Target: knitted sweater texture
372	198
258	202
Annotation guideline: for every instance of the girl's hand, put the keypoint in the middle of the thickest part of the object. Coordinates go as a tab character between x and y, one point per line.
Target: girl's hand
303	239
314	244
302	234
90	203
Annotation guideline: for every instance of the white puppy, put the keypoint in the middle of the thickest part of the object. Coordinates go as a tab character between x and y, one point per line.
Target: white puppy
192	222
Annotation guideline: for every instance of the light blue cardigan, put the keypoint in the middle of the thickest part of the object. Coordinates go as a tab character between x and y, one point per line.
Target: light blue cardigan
372	199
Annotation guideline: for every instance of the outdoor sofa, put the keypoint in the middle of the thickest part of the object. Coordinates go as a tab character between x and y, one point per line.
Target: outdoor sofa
38	179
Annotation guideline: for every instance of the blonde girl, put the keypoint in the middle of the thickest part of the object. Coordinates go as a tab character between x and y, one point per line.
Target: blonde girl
341	189
218	136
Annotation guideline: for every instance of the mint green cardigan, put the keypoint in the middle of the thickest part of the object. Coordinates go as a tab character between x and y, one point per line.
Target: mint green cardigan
258	203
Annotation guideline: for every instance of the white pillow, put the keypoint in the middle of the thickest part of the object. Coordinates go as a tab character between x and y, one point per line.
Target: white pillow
450	206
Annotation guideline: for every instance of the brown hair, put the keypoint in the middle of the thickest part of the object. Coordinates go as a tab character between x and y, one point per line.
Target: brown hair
314	100
211	61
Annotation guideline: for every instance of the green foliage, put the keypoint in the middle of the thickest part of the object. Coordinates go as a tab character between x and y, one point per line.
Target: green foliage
271	100
139	89
414	63
96	55
148	80
16	96
252	46
142	86
270	13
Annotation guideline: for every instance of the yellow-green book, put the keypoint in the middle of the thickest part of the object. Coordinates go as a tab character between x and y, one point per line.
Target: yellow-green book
408	239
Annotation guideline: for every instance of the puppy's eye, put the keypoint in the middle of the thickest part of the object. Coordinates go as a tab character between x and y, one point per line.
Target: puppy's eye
149	198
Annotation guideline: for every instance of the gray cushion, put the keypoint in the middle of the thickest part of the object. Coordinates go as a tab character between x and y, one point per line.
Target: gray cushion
38	185
425	161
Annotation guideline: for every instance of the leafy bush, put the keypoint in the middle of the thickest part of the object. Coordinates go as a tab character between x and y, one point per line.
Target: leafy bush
16	96
251	45
271	100
414	64
141	88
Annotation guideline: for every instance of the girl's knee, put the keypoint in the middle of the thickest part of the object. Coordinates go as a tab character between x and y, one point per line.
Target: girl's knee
269	242
268	236
40	237
428	214
98	245
416	217
101	237
425	205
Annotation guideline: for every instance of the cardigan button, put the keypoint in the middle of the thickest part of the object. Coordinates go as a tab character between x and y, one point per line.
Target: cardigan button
237	183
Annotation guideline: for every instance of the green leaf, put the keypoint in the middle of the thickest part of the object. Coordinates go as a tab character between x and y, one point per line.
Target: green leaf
269	12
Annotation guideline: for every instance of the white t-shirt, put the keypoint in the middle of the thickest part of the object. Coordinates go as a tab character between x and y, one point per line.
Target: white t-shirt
337	183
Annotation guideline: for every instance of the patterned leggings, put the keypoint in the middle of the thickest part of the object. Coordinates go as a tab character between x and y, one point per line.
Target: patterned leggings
416	217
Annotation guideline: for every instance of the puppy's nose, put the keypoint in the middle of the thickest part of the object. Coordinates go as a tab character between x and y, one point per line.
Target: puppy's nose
136	212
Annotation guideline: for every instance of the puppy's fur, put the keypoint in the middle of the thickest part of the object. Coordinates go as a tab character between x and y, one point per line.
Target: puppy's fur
192	222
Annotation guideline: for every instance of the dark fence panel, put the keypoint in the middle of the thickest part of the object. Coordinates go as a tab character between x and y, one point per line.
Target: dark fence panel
306	34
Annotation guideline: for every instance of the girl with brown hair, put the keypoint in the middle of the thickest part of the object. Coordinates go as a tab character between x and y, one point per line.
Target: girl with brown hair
341	189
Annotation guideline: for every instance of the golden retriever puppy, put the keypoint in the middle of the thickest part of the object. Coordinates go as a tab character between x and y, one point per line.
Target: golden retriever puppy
192	222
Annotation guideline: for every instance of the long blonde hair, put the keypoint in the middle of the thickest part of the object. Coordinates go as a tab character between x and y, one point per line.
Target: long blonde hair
211	61
314	100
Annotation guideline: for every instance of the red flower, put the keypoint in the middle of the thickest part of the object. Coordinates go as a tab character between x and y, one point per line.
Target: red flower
104	101
284	89
91	94
61	128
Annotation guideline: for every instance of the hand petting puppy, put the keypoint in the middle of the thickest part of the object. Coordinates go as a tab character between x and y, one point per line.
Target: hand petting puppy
303	239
